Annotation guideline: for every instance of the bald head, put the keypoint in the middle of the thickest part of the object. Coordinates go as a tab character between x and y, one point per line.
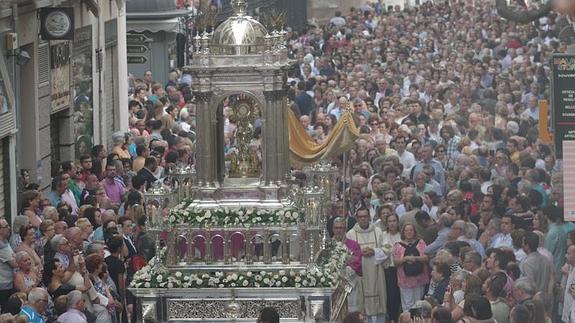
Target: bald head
108	215
74	235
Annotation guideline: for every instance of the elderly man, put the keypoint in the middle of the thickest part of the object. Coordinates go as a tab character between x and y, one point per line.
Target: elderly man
75	305
427	159
444	224
371	290
7	263
37	303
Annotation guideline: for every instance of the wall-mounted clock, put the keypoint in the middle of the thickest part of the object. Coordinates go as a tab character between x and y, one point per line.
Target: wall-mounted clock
57	23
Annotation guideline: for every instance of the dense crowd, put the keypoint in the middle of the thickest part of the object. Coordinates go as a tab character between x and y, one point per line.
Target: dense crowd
449	202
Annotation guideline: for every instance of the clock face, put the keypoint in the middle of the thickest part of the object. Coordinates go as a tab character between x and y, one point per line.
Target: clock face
57	23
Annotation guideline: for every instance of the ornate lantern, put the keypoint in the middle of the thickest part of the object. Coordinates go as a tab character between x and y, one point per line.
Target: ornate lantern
313	203
183	177
323	174
157	200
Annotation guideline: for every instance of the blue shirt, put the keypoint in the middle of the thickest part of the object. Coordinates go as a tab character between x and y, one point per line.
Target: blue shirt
98	234
556	243
32	315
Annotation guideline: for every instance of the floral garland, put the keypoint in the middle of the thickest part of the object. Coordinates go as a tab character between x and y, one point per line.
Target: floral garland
182	214
155	275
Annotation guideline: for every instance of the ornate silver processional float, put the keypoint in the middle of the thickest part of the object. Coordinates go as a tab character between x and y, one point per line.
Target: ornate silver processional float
240	235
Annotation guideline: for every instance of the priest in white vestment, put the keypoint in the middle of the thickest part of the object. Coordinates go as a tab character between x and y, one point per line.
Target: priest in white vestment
371	293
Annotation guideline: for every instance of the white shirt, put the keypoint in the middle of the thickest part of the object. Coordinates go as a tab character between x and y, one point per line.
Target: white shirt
68	198
568	315
502	240
407	159
72	316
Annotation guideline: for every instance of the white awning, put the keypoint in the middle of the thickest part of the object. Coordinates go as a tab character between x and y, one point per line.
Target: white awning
154	26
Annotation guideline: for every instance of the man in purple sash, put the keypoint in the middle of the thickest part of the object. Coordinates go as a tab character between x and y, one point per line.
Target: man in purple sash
339	231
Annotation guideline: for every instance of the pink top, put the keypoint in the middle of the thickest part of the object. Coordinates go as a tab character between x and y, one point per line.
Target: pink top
410	282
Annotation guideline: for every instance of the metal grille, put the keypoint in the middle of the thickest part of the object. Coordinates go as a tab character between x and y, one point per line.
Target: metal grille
43	64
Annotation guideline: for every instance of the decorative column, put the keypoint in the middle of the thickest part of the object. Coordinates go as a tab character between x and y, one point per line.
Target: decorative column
270	133
282	141
206	141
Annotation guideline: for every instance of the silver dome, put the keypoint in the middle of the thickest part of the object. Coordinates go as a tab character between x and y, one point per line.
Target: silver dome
238	35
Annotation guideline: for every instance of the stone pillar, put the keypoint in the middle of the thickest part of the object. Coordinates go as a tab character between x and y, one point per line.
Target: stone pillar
206	141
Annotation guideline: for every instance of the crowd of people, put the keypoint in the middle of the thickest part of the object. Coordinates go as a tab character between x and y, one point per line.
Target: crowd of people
449	202
452	196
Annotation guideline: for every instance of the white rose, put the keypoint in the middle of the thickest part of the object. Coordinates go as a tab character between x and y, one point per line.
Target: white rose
170	285
233	284
287	214
178	274
147	285
278	283
282	272
284	279
249	211
249	274
199	282
266	280
172	218
256	285
322	280
208	214
159	278
297	279
258	277
297	285
221	285
245	283
305	283
295	215
234	277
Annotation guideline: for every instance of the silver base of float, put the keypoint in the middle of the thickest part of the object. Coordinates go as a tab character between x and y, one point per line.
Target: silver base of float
231	304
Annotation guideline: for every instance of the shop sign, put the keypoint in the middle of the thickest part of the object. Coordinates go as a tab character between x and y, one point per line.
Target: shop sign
59	75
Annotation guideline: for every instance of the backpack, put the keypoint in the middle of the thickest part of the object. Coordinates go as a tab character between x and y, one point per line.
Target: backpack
412	269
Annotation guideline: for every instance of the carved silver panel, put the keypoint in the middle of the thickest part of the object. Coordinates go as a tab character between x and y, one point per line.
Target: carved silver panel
194	309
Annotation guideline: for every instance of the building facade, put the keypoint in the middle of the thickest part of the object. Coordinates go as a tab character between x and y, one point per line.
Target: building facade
63	96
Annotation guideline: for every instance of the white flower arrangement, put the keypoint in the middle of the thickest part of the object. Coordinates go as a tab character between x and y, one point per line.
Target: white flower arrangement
330	263
184	214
